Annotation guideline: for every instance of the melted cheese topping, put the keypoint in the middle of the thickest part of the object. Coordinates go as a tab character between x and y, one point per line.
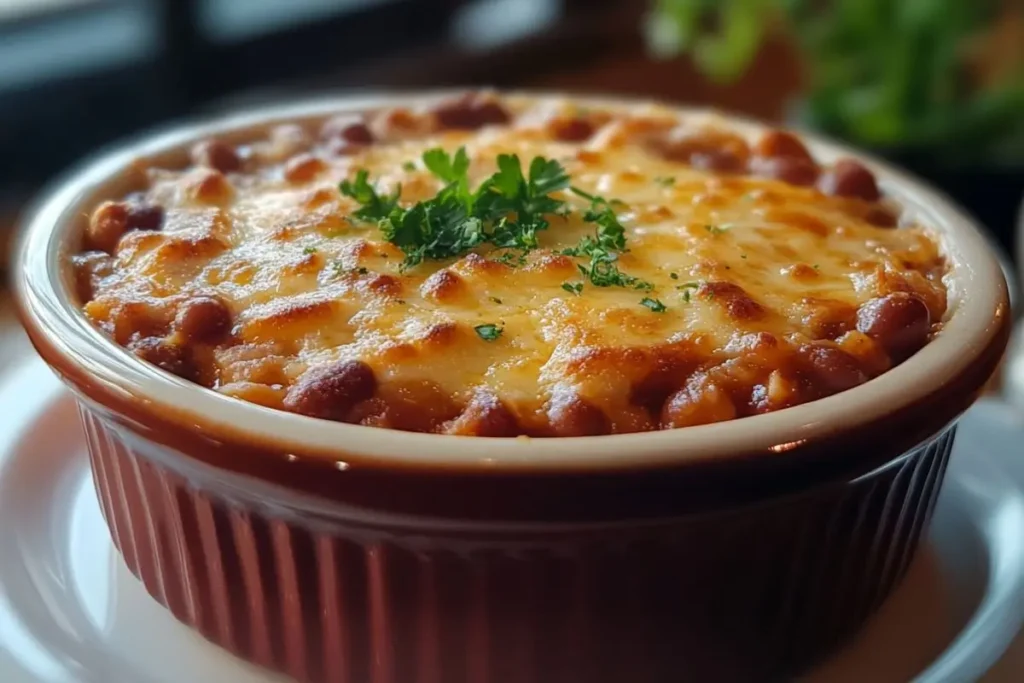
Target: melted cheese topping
746	269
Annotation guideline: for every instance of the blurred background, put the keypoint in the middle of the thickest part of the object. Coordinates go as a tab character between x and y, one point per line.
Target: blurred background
936	85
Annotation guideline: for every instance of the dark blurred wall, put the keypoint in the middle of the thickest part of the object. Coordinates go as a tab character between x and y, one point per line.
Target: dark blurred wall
78	74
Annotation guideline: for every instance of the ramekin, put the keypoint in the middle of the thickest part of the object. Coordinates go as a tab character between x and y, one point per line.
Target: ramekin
336	553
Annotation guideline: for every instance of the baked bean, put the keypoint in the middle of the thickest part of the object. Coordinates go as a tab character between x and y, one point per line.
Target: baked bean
413	406
569	414
330	391
216	155
778	144
849	178
832	368
145	216
470	112
701	402
792	170
654	388
89	268
485	415
869	354
136	319
106	226
707	150
782	390
900	322
165	355
203	319
828	318
882	217
719	161
570	129
350	128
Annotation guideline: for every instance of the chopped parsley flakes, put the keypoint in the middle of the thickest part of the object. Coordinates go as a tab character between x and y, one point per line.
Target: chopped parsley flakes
339	269
653	304
687	289
507	210
573	287
603	248
488	332
665	181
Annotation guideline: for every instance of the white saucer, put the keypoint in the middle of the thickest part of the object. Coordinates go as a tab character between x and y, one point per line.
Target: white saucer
70	610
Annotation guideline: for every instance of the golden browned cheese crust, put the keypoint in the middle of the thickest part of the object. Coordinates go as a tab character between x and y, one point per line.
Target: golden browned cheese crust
781	281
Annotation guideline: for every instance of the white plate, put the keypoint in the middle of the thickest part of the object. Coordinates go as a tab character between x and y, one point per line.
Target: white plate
70	611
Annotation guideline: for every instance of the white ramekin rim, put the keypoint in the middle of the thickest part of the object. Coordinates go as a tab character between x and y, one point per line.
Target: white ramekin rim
977	301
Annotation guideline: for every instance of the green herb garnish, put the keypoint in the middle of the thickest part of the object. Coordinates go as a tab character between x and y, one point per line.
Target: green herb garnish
488	332
507	210
674	276
495	300
665	181
374	207
339	269
604	246
687	288
653	304
409	166
512	259
573	287
309	250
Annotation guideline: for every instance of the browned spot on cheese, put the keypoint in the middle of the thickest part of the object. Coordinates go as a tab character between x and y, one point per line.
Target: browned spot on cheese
442	334
286	318
383	285
303	168
475	264
443	286
801	272
733	299
208	186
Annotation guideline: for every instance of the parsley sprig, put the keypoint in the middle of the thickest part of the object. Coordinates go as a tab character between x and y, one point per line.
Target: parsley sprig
507	210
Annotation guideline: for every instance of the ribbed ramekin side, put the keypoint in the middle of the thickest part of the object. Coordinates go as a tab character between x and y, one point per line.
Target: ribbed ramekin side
753	594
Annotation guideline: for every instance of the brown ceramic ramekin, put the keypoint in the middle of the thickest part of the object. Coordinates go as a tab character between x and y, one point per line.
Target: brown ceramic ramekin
740	551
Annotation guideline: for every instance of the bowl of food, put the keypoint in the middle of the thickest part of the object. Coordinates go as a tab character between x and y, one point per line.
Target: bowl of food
511	387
